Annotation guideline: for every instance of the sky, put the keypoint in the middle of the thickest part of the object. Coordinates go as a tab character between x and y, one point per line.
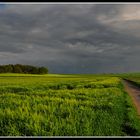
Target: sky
71	38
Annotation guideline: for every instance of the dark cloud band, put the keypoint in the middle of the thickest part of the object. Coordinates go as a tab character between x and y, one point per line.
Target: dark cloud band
94	38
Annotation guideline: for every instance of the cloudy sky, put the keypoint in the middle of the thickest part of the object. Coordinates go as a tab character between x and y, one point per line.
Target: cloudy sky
71	38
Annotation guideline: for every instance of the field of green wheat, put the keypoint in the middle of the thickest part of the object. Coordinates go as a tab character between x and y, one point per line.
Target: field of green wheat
65	105
135	78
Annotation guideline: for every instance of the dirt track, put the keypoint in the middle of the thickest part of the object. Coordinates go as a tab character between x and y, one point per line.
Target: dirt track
134	92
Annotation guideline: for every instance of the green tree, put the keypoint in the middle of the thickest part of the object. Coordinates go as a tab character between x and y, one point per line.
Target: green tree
17	69
43	70
8	68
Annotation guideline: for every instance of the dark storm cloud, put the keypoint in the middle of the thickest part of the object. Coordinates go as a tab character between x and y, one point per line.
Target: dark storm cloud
74	38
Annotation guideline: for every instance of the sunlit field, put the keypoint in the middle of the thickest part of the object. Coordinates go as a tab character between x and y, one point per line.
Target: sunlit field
65	105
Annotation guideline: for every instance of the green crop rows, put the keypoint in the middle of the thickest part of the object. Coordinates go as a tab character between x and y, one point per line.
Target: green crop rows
65	106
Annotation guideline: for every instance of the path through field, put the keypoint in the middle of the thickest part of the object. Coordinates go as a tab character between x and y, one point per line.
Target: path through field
134	92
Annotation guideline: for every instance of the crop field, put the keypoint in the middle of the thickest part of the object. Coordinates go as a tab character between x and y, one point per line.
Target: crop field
135	80
65	105
134	77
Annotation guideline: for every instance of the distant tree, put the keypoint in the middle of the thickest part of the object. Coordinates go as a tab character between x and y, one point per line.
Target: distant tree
34	70
43	70
18	68
2	69
8	68
24	68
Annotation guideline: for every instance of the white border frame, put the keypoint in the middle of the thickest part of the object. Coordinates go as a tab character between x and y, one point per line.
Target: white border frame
64	3
69	3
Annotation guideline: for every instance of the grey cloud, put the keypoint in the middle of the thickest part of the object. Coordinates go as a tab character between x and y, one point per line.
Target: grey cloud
70	38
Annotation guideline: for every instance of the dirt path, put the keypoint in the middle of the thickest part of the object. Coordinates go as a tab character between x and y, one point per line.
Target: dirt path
134	92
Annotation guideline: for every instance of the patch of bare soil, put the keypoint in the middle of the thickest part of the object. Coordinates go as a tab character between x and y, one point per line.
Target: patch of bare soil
134	93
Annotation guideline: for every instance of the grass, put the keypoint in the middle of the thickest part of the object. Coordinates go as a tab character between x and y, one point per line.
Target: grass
65	105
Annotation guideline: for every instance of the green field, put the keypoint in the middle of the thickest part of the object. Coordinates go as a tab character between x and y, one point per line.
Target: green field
65	105
135	78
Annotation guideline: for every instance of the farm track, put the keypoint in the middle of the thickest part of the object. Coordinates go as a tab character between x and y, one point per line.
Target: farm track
134	93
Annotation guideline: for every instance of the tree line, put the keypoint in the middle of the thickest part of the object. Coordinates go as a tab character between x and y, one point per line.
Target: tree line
19	68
